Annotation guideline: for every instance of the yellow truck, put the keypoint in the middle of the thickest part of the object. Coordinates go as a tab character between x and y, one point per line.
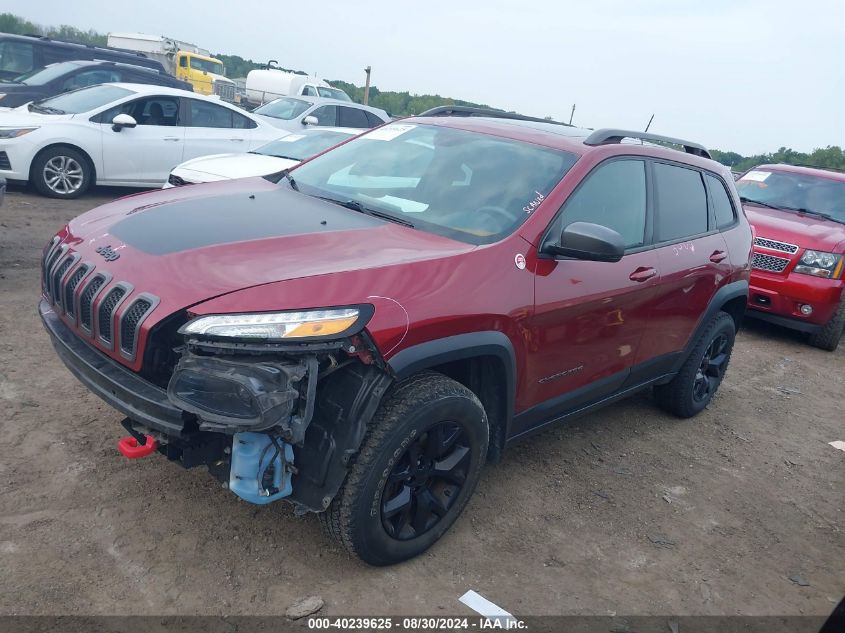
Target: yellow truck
183	60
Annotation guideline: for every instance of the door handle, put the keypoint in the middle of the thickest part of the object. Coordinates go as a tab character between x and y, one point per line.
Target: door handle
718	256
171	138
642	274
240	140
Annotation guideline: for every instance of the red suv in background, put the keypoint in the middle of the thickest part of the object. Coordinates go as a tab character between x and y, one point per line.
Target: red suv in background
799	249
360	334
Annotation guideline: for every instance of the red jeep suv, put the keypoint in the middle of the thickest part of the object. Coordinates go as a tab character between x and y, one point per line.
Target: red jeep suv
360	334
798	214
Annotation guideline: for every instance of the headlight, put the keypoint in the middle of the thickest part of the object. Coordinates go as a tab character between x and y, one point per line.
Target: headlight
820	264
15	132
275	326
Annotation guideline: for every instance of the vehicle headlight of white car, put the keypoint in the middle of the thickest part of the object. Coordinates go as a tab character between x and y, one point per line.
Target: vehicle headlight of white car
276	326
15	132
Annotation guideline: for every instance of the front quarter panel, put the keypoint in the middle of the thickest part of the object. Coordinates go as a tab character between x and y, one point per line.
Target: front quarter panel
417	302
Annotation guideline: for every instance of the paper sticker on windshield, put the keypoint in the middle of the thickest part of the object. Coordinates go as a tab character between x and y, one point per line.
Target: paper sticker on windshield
389	132
290	138
757	176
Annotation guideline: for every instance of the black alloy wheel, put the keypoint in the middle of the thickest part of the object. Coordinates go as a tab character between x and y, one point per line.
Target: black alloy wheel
425	482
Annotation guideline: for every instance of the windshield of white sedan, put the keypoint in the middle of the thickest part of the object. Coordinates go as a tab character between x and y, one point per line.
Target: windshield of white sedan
795	192
464	185
284	108
83	100
302	146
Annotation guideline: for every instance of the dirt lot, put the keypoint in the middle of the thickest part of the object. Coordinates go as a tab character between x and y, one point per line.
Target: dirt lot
627	511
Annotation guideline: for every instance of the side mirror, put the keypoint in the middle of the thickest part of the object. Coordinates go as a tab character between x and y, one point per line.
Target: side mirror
121	121
310	120
588	241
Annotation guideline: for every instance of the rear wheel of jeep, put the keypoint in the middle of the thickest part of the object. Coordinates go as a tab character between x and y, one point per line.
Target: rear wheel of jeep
828	337
416	470
702	372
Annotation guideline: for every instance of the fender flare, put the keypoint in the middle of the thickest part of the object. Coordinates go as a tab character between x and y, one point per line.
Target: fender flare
728	292
416	358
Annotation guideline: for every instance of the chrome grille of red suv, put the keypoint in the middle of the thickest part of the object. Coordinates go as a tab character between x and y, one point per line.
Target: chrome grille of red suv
769	262
775	245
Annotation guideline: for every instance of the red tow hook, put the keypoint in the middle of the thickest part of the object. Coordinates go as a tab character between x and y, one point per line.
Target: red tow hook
130	449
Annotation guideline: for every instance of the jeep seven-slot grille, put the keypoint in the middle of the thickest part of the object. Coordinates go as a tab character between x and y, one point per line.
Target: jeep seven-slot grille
769	262
87	298
129	323
775	245
70	288
83	292
106	311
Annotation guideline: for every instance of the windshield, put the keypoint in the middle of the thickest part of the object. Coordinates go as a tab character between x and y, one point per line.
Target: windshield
333	93
284	108
207	65
41	76
82	100
792	192
302	146
464	185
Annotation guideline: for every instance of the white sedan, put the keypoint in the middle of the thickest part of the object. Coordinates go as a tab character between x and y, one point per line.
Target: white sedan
283	153
128	135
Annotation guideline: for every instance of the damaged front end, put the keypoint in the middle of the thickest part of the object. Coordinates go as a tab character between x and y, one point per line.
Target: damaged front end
272	415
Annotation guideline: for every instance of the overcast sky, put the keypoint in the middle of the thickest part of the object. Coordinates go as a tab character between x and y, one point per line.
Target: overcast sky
742	75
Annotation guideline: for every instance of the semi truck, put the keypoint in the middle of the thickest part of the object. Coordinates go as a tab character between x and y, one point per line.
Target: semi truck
184	60
266	84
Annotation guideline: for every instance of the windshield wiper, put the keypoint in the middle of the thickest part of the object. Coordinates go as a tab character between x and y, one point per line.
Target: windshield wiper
360	208
817	214
34	107
286	175
799	211
762	204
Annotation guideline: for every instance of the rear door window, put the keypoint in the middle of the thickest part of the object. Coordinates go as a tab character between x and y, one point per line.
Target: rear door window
725	215
210	115
681	202
352	117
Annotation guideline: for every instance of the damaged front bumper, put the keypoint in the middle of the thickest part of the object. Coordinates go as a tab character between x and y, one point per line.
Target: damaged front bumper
247	412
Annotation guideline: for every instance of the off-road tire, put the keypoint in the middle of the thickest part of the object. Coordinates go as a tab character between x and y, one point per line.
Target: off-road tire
677	396
36	173
828	337
412	406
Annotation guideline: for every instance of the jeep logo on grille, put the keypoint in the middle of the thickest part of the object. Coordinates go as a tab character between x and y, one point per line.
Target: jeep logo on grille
108	253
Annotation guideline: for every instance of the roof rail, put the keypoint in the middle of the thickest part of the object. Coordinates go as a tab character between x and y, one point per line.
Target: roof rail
608	136
457	110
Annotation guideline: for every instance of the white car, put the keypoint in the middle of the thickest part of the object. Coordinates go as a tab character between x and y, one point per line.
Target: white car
295	114
278	155
122	134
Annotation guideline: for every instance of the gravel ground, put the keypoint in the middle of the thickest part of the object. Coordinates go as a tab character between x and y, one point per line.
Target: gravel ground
628	511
